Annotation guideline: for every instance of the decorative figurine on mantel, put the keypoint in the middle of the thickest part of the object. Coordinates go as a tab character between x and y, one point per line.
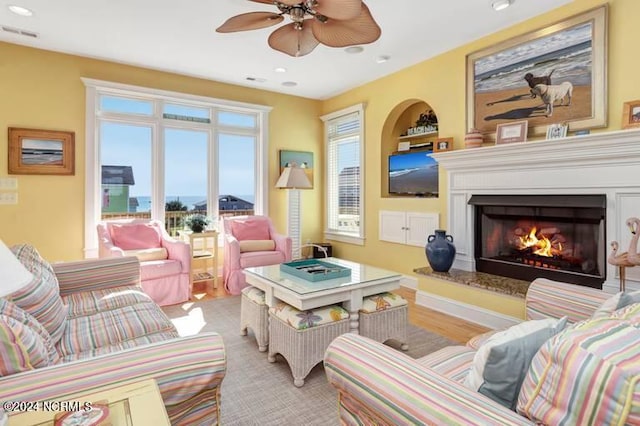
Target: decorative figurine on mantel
627	259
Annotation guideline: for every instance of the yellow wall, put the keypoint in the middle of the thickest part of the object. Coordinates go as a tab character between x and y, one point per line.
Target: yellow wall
440	82
43	90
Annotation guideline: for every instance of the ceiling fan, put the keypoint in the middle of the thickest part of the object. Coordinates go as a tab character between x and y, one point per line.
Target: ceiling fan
334	23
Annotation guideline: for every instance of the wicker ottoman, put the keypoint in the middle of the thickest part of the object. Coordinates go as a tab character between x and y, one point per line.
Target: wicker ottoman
302	337
383	317
254	314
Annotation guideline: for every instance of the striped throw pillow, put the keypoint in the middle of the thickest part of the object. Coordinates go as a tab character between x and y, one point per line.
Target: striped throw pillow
21	348
587	374
40	298
11	310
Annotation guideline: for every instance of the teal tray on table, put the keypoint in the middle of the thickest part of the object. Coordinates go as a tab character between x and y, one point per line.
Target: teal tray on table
315	270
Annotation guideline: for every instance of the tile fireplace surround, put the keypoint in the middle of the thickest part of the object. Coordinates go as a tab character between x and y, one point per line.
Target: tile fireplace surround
599	163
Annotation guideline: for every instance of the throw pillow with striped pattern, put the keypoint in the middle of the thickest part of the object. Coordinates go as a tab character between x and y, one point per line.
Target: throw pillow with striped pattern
21	348
40	298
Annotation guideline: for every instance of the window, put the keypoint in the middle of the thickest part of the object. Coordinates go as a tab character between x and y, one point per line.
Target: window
345	175
164	155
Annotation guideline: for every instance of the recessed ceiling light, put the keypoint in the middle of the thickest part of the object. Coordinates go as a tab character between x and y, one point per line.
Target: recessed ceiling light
501	4
382	59
19	10
354	49
280	69
289	83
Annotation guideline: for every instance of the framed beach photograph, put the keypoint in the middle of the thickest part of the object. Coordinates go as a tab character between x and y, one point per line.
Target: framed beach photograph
555	74
41	152
301	159
631	114
511	132
444	144
556	131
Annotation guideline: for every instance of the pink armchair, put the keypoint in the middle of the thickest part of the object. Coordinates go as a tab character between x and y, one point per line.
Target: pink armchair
165	263
250	241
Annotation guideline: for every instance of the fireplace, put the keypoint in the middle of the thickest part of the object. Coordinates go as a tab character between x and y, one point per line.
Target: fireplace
555	236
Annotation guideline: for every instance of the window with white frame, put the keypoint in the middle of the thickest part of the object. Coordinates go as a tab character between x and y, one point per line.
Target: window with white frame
165	155
345	175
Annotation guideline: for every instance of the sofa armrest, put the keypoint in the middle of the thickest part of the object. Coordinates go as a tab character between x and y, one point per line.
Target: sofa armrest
283	245
231	253
178	250
95	274
552	299
387	387
188	371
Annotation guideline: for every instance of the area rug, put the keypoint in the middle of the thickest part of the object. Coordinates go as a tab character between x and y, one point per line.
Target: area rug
257	392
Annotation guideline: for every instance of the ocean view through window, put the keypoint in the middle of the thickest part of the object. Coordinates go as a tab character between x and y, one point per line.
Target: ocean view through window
164	155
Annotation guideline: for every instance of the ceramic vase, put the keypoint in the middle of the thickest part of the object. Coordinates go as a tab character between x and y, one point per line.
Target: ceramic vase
473	139
440	251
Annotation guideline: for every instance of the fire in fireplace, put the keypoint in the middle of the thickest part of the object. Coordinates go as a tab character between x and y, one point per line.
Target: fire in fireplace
559	237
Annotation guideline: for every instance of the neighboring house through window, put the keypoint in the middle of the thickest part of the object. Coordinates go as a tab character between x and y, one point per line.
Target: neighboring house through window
147	147
344	138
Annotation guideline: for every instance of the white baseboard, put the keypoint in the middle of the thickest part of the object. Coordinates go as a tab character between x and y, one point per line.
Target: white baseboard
471	313
409	282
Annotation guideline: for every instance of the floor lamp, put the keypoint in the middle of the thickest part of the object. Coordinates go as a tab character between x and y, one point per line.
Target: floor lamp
294	178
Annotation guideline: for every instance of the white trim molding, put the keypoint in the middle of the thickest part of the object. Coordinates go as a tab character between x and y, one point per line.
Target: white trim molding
465	311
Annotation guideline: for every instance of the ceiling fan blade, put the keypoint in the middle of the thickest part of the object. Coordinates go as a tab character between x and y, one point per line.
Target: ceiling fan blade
291	2
249	21
262	1
339	9
336	33
287	39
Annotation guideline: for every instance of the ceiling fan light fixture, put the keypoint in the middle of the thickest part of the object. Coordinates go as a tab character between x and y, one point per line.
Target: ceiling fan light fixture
501	4
19	10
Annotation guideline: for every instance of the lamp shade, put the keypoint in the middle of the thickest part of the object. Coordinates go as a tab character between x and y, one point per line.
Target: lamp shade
14	276
293	178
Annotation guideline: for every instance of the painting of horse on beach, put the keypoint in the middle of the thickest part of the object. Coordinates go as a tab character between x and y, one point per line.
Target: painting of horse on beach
551	78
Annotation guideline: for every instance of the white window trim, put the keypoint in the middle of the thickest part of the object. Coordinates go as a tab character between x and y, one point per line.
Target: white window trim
94	88
346	237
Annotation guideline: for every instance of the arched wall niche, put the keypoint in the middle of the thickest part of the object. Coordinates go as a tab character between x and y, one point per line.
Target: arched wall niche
401	117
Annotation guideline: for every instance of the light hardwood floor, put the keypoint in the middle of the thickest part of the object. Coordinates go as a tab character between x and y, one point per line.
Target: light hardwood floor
448	326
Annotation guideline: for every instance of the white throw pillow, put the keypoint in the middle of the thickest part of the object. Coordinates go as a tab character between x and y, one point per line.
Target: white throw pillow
501	363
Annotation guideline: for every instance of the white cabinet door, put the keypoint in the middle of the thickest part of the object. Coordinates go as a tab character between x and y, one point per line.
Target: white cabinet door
410	228
392	226
419	226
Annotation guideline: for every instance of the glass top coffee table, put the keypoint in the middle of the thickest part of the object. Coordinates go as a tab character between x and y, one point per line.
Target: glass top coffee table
302	294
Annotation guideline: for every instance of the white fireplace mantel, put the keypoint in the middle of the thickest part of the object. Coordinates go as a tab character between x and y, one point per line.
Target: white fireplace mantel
599	163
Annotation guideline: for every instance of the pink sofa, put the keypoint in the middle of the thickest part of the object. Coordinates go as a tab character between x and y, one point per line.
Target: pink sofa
165	263
250	241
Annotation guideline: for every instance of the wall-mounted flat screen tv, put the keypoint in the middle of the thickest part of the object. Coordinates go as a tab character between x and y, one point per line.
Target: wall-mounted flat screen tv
413	173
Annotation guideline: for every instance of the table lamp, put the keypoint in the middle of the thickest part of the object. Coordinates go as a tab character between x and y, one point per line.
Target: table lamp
294	178
14	275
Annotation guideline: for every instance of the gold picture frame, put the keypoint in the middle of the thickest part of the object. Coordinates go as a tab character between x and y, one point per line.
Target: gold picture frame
573	50
512	132
443	144
41	152
631	114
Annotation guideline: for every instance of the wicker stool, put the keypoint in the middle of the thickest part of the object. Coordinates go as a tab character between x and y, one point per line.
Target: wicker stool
383	317
254	315
302	344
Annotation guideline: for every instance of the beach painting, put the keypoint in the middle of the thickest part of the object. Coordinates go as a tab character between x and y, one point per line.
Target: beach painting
552	75
33	151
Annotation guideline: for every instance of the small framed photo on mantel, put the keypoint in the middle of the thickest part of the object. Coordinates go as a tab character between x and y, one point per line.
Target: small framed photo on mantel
512	132
557	131
631	114
444	144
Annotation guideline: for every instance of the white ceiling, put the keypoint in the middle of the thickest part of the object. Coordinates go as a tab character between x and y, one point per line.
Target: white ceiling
179	36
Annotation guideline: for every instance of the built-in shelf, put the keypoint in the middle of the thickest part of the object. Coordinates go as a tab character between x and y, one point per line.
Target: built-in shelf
417	136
